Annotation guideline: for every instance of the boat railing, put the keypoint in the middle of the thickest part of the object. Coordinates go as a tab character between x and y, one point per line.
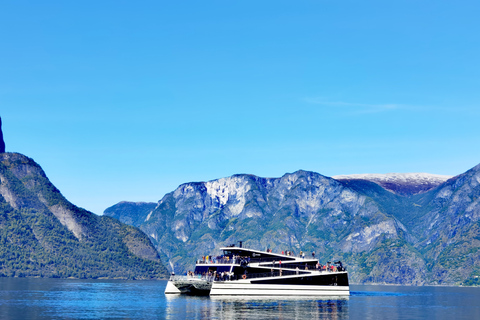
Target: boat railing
219	261
259	275
301	266
235	260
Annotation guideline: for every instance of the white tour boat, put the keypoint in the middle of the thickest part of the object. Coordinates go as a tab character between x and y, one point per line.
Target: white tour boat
247	272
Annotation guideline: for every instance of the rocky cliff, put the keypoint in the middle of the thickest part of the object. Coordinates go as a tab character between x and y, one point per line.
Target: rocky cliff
2	142
428	237
42	234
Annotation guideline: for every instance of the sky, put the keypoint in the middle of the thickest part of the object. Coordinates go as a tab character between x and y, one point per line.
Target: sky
126	100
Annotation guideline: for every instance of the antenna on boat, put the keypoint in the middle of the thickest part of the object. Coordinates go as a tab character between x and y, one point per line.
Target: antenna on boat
241	242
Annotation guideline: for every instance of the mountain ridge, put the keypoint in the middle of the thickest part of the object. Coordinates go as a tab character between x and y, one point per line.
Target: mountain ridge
379	234
401	183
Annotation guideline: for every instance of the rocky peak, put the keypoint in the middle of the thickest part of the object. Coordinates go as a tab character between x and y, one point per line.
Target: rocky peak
2	143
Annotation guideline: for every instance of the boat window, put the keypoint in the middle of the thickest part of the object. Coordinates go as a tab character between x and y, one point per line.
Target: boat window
223	269
201	269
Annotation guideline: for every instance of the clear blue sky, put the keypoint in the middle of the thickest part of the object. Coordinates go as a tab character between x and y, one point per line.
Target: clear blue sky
126	100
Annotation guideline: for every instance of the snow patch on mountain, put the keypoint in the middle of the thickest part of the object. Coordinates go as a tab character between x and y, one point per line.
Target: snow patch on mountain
400	183
397	177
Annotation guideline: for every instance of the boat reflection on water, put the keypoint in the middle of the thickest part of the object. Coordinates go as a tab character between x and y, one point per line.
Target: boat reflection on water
187	307
284	308
231	307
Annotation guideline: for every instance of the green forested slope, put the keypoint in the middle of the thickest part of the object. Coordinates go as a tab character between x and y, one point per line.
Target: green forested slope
42	234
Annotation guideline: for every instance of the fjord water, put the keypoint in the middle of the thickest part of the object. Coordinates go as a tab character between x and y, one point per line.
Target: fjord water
22	298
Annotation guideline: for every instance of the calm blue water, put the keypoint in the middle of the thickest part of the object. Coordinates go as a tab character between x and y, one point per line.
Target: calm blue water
104	299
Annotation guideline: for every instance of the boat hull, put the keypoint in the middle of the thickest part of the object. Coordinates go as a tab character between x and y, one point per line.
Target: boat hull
198	287
238	288
318	284
171	289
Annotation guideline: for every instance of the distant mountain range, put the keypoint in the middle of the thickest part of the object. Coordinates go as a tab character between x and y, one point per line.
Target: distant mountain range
44	235
411	229
405	184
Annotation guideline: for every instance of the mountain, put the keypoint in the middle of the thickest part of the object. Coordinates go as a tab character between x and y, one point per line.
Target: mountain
132	213
401	183
448	229
398	229
44	235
